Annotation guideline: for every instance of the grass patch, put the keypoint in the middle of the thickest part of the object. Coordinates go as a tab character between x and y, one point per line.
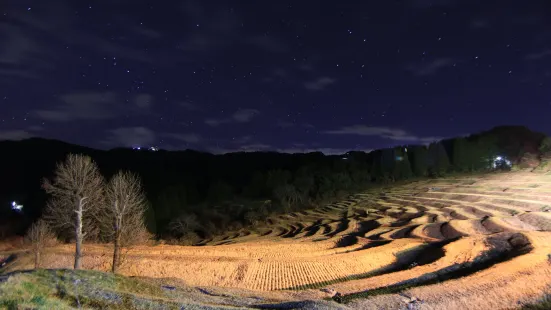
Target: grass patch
69	289
543	304
31	291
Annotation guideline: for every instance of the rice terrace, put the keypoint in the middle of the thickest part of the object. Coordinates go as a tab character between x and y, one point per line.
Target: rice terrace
464	242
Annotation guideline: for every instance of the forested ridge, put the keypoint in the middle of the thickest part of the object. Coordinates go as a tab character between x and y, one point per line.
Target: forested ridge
194	195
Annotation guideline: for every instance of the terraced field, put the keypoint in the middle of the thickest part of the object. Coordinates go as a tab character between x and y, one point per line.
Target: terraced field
476	242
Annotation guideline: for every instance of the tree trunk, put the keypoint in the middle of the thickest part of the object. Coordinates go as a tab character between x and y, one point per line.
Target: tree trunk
117	251
78	235
37	258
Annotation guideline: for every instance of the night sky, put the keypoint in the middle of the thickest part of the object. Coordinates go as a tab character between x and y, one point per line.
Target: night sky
289	76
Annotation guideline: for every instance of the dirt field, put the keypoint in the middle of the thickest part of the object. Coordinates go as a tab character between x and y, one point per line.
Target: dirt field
478	242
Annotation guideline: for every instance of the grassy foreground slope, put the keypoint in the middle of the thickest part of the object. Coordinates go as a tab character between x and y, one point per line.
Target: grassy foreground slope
70	289
470	242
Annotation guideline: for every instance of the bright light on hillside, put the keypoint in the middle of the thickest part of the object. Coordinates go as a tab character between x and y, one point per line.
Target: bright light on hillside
501	161
152	148
15	206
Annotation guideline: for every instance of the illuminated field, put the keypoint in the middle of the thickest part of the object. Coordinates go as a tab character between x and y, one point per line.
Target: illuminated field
477	242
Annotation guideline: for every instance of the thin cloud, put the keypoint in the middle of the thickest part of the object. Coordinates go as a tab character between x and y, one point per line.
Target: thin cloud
22	55
18	47
383	132
190	106
199	43
306	67
429	4
240	116
36	128
285	124
479	24
15	135
257	147
269	44
431	67
81	106
215	28
25	74
243	140
538	56
216	122
282	73
245	115
89	105
64	30
325	151
143	101
130	137
319	84
296	149
144	31
188	137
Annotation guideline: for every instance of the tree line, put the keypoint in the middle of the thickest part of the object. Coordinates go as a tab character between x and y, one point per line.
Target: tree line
324	179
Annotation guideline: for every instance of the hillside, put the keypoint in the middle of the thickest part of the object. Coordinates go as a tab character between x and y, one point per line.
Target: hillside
469	242
223	191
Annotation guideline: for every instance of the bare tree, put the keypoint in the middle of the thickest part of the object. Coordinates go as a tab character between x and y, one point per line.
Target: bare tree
39	235
77	197
125	212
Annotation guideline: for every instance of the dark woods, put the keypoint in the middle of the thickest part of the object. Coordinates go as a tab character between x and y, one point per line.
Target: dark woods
193	195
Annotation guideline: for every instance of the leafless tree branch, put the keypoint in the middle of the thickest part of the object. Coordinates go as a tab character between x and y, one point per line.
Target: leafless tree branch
125	212
39	236
76	198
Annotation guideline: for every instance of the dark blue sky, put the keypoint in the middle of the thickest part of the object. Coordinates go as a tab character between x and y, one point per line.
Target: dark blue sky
271	75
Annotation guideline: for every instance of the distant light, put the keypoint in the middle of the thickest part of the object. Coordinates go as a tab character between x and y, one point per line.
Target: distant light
151	148
500	161
15	206
345	158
